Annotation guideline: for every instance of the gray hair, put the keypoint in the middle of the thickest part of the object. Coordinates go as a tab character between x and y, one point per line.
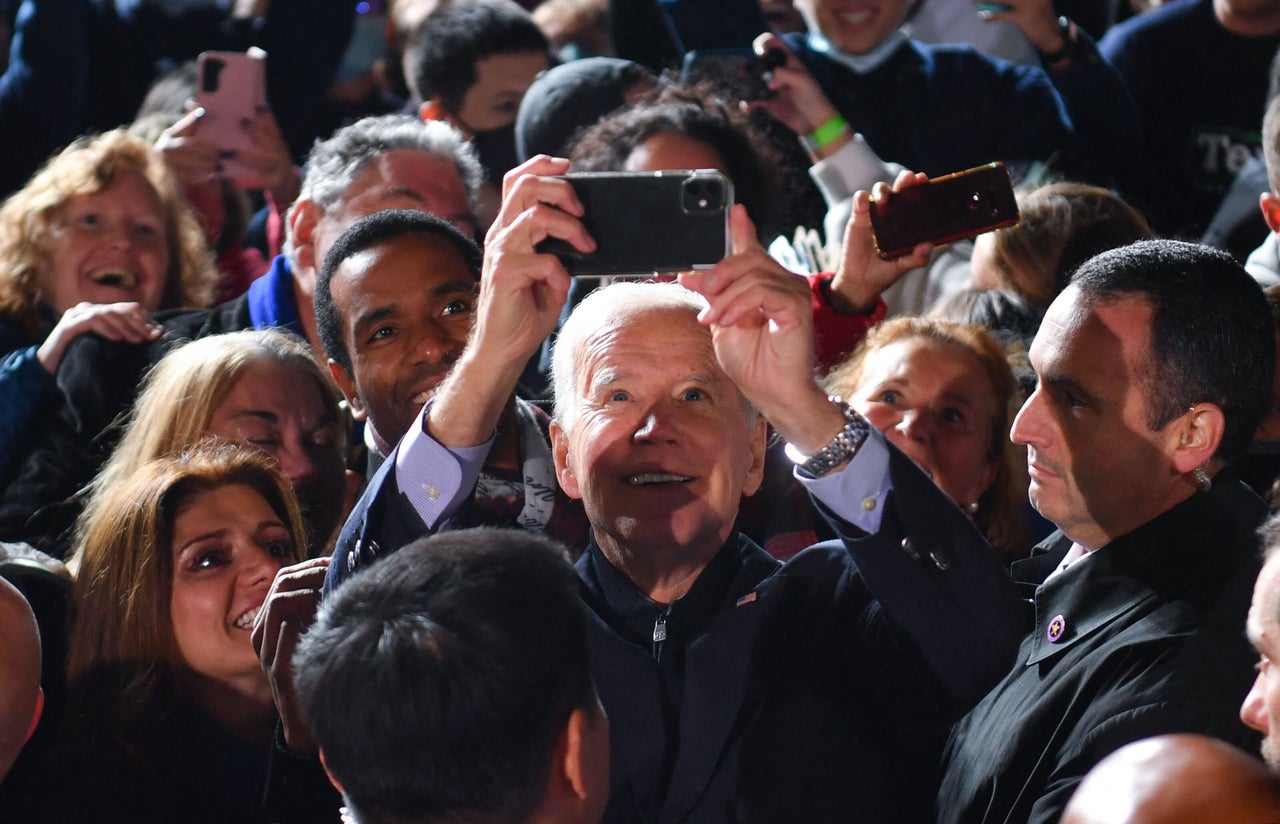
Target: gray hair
334	163
603	308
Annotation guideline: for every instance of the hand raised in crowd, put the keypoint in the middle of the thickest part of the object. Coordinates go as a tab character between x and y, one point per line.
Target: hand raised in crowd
127	321
798	100
522	292
862	276
761	321
268	166
1036	19
289	610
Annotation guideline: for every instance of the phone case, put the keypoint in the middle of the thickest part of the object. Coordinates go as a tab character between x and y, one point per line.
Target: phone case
231	87
646	222
945	209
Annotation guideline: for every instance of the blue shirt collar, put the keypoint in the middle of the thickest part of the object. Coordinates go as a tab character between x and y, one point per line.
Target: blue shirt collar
272	302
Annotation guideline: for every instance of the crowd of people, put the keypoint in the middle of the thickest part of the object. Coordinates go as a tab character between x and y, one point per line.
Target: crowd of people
327	494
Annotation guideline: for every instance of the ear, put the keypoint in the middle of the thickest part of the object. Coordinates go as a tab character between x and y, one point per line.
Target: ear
1269	202
759	448
347	385
303	218
560	455
332	780
1196	435
575	755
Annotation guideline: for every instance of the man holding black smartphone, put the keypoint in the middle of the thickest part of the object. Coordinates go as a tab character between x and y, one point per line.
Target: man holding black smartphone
724	673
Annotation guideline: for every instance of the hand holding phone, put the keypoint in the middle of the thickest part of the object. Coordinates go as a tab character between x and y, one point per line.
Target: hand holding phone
646	222
231	87
956	206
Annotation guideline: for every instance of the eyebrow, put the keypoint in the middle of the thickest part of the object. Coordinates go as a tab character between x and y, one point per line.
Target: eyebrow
262	414
270	523
451	287
1070	384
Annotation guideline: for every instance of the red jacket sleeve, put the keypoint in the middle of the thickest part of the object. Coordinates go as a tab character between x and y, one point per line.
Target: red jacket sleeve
837	335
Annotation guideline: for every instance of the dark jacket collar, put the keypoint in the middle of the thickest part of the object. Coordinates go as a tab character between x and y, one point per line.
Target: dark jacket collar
1186	553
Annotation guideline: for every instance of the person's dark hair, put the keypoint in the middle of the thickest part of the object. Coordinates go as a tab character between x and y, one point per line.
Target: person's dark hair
440	61
568	99
751	161
370	231
1006	314
1212	338
438	682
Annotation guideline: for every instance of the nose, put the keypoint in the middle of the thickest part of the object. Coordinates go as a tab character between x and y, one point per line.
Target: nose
118	234
297	464
1253	711
1028	425
434	345
656	426
917	424
257	567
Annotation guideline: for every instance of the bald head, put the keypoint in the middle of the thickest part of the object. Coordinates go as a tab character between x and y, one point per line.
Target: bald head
20	662
1176	779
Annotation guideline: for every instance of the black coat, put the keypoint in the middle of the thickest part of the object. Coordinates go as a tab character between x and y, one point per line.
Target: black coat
98	380
1149	640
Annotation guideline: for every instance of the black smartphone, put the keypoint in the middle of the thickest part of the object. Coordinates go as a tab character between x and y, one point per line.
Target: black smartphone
945	209
647	222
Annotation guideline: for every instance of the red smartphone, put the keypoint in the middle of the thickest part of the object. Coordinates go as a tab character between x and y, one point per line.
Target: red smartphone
232	88
946	209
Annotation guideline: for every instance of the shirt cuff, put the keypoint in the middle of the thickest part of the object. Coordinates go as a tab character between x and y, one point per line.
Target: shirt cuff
852	167
858	492
434	478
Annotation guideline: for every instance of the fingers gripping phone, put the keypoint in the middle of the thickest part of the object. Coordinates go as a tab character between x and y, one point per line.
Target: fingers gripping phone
949	208
231	87
646	222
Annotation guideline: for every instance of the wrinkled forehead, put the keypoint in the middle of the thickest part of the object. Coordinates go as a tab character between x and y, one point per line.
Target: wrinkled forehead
652	339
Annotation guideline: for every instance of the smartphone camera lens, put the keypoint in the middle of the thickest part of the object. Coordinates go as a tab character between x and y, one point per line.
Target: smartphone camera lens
212	68
703	195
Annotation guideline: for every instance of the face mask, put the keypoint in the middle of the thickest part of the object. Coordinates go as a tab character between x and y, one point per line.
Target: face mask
497	150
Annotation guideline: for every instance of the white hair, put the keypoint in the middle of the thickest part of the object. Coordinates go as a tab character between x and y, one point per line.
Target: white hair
604	308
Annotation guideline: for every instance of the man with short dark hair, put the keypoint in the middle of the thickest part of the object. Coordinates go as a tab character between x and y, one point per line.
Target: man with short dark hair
393	309
452	683
1154	366
394	305
470	63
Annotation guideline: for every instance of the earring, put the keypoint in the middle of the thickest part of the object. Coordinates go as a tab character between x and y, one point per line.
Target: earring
971	508
1201	479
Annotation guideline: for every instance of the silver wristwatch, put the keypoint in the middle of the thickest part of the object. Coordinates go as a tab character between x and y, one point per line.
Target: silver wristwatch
841	448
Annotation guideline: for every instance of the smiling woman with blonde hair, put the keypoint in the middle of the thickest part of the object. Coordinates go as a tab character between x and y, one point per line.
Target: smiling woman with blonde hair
96	241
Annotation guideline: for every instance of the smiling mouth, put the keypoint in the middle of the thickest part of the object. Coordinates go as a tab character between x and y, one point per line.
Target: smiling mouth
246	620
115	278
649	478
857	18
